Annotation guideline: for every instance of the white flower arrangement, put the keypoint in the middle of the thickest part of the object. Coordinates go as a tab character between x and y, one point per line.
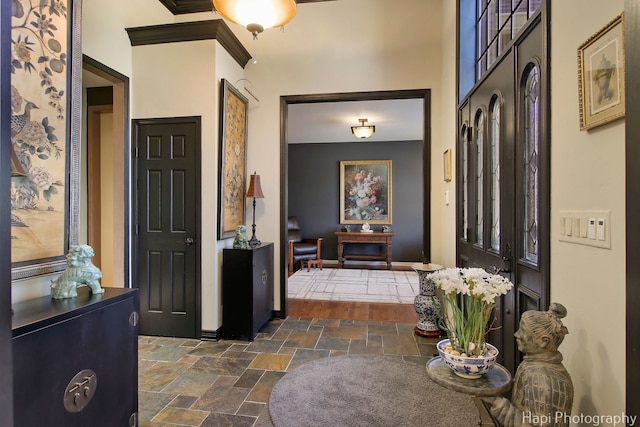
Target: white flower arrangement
469	296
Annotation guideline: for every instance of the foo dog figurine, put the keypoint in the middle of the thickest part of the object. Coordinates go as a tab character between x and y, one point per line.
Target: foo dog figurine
240	241
542	393
80	271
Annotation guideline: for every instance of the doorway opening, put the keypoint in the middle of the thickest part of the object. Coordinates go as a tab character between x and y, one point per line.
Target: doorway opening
105	172
285	101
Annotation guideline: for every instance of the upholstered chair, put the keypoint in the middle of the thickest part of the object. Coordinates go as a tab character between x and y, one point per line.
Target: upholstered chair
300	248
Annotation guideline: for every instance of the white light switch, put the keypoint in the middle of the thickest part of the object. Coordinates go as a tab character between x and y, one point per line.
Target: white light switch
575	226
591	232
584	223
600	228
563	222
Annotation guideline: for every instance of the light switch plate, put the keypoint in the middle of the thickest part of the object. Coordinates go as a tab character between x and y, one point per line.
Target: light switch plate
591	228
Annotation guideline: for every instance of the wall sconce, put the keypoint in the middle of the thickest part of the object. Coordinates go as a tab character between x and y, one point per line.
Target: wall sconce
257	15
363	131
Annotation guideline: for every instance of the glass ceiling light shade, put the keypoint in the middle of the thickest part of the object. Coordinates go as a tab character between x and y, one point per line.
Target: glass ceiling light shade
363	131
257	15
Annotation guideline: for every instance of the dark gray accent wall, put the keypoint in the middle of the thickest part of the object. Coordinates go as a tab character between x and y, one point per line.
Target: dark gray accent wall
314	191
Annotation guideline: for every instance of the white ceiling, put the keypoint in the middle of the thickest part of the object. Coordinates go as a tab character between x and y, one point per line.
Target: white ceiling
394	119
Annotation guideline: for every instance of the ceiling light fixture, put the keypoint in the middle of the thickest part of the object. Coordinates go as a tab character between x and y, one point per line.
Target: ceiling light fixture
257	15
363	131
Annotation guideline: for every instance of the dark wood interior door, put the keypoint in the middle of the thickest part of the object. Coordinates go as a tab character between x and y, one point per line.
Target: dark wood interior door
168	206
503	186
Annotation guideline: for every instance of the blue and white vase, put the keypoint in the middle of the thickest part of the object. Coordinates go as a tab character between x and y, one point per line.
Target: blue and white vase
426	303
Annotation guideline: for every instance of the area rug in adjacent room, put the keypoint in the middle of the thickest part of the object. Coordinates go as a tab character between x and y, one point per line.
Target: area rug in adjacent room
367	391
359	285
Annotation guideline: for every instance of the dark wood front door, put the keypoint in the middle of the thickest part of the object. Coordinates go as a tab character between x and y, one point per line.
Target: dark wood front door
503	184
168	226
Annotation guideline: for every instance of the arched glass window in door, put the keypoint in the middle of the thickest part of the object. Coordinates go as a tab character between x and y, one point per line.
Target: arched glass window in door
465	182
479	125
531	172
494	116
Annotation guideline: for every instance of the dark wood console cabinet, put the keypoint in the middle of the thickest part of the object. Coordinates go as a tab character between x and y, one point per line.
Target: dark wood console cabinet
247	290
54	340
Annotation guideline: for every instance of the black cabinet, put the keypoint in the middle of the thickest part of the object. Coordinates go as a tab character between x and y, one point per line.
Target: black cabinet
247	290
76	351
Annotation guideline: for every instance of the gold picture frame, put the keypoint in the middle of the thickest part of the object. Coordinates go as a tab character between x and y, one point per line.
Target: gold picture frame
447	164
601	76
365	191
233	160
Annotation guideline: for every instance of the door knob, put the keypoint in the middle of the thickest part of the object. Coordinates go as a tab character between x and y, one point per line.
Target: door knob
188	241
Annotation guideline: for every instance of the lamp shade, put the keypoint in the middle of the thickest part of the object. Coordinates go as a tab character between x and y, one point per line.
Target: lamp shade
257	15
255	190
363	131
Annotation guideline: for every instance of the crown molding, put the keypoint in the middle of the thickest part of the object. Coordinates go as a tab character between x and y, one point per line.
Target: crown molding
215	29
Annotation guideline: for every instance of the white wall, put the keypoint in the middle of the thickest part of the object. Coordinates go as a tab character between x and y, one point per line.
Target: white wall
587	173
178	80
342	46
370	45
106	41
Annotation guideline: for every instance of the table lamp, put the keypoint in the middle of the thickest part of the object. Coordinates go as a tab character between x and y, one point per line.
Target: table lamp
254	191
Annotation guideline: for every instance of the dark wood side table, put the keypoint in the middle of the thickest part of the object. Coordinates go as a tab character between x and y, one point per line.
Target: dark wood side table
86	344
364	238
247	290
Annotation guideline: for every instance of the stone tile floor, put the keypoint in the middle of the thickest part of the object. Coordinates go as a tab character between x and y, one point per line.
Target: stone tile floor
187	382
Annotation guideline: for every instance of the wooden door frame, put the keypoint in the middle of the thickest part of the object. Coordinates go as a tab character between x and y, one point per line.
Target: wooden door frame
94	178
424	94
632	199
6	358
122	141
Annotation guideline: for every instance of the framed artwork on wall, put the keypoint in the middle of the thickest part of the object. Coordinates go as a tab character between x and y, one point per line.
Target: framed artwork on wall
45	134
447	164
365	191
233	158
601	76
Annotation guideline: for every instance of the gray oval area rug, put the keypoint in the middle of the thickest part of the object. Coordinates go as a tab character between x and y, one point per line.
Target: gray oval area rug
367	390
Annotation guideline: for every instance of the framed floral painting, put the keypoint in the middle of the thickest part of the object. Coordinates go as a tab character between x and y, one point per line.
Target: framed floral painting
45	134
233	155
365	191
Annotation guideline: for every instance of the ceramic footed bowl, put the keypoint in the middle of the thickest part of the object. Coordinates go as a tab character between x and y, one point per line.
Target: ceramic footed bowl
468	367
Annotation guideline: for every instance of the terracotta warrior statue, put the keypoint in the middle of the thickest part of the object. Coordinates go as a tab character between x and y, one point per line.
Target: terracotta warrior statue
542	393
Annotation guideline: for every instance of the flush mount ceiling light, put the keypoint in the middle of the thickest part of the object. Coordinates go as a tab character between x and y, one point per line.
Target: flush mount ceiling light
257	15
363	131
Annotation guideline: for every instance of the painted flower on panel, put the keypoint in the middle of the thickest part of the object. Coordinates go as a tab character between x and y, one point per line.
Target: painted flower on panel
365	190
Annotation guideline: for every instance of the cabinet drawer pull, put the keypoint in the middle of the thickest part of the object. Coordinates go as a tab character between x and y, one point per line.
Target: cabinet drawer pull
80	390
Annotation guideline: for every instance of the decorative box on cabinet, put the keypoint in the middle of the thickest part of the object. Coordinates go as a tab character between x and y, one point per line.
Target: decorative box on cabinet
247	290
74	352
